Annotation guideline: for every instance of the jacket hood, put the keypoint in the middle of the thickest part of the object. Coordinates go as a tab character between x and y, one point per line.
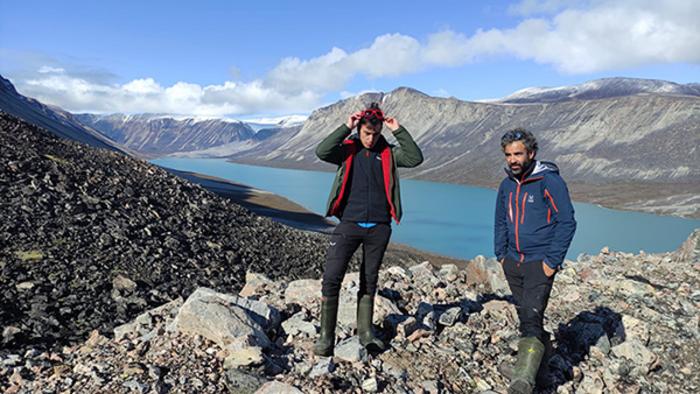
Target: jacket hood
539	168
544	166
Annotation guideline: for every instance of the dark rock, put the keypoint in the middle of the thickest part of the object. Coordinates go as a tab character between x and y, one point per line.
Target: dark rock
238	381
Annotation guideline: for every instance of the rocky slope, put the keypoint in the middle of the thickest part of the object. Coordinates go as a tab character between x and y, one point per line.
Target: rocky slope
160	134
90	238
622	323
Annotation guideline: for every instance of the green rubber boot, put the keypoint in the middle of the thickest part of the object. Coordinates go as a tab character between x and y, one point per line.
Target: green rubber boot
365	310
530	352
543	379
329	315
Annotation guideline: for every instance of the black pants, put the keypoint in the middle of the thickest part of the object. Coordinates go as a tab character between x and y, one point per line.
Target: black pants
530	287
345	240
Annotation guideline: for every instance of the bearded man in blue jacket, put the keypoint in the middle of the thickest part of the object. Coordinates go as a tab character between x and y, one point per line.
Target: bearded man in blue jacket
534	226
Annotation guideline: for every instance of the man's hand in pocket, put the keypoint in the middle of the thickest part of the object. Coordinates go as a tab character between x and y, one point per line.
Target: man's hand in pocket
547	270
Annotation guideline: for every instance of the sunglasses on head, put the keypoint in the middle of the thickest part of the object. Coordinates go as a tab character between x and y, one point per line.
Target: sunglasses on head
373	113
513	136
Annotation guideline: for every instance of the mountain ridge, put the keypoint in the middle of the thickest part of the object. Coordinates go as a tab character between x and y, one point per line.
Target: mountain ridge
601	88
56	120
159	134
646	140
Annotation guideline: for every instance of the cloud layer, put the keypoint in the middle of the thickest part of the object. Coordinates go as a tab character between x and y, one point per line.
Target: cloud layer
572	37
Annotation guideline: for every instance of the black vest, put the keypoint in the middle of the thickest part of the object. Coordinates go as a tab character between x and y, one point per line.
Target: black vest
366	200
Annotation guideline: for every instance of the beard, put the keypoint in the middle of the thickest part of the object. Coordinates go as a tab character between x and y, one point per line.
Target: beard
518	169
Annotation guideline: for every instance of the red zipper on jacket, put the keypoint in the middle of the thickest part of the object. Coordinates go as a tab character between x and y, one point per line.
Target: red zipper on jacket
546	194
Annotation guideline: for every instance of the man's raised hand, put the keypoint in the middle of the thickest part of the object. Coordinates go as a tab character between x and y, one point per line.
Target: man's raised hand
353	120
391	123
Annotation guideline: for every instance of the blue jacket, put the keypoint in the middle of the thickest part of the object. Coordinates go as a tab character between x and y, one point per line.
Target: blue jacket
534	216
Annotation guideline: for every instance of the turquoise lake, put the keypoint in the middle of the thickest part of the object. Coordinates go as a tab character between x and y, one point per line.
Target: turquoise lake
456	220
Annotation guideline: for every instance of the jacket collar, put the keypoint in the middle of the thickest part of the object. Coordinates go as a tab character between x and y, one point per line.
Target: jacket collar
534	171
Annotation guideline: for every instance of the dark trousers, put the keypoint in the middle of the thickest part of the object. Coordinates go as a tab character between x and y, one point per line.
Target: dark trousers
345	240
530	288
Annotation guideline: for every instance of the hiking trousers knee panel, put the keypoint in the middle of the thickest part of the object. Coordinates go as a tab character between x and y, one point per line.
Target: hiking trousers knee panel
530	288
346	238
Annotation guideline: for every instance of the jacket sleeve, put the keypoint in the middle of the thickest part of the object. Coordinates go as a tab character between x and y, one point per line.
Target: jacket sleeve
557	197
500	235
331	149
407	154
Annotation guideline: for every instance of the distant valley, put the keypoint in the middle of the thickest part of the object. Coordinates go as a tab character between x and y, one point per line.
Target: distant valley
619	142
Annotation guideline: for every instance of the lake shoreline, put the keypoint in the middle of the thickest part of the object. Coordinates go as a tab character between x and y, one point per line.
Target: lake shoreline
290	213
440	222
670	199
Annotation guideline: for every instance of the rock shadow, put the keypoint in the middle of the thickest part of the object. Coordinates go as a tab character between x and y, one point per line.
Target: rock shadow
602	327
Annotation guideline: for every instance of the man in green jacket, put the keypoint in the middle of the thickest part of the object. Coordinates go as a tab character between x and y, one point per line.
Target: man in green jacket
365	197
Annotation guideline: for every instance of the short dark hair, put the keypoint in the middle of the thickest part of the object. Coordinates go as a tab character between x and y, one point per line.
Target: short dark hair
520	134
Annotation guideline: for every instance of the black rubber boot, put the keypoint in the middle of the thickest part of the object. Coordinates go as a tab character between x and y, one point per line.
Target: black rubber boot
329	315
530	352
365	311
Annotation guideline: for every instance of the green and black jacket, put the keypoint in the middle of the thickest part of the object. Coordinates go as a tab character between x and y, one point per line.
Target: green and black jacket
340	150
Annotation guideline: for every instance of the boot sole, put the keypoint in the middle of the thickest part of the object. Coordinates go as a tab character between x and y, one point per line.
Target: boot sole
520	387
324	352
374	348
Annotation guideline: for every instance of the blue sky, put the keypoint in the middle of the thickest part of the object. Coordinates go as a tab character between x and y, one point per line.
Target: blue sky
273	57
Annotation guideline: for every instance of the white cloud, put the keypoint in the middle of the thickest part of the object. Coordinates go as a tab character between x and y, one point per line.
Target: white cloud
609	35
326	72
142	86
146	95
575	37
389	55
596	36
50	70
448	48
